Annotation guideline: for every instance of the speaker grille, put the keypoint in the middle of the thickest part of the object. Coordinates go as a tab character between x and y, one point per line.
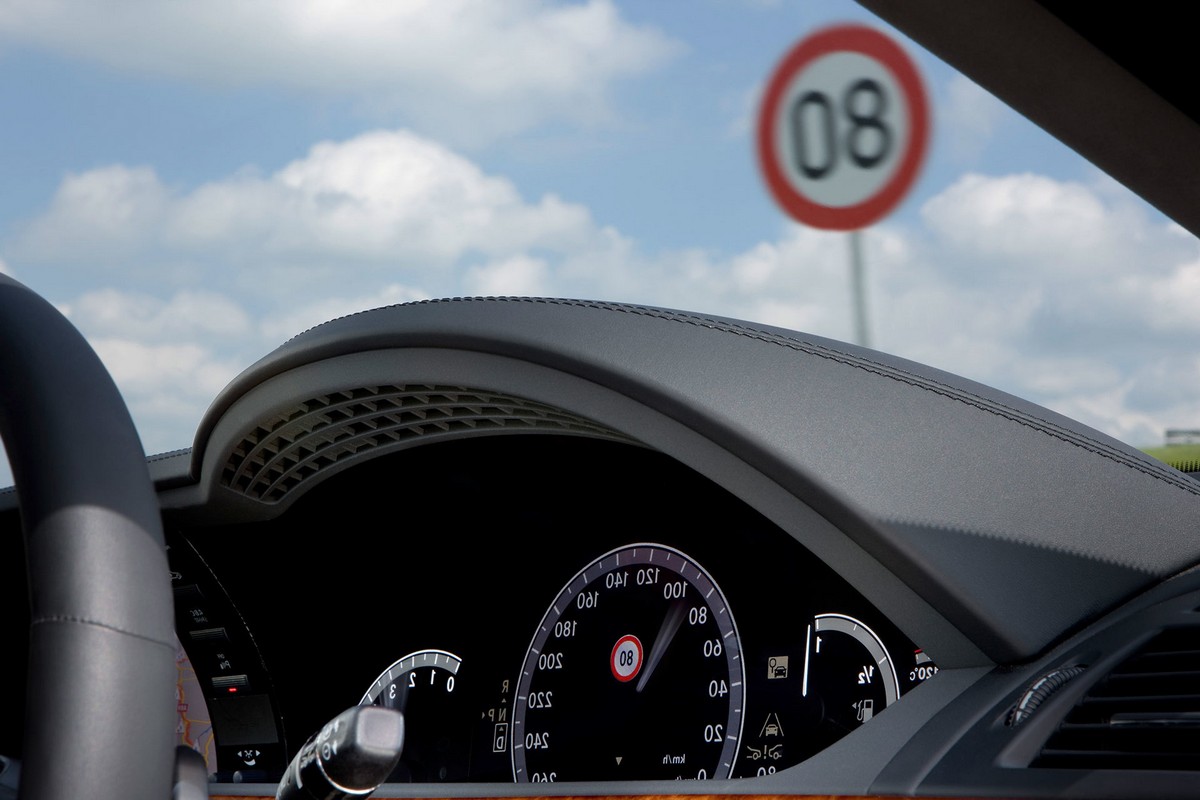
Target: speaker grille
284	452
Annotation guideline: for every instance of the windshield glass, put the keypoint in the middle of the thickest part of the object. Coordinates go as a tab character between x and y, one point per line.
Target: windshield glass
192	184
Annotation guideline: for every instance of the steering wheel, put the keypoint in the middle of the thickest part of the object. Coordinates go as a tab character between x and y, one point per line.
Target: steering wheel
100	702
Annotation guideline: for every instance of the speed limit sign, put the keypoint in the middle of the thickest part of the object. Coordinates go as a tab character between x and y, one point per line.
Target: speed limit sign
843	128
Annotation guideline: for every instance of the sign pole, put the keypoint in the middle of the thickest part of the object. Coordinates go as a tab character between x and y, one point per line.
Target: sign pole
858	289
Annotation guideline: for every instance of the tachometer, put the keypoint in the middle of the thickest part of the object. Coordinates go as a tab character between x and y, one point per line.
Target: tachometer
436	742
635	672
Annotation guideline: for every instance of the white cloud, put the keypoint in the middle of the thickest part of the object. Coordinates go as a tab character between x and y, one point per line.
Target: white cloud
384	198
280	326
102	214
143	369
188	315
1029	223
472	68
230	269
1168	302
1056	291
518	275
166	386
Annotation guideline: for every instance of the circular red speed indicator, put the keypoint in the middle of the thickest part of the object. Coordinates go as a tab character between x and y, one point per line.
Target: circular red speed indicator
843	128
626	658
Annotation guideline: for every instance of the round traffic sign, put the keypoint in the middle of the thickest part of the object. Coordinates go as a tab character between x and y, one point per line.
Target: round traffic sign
843	128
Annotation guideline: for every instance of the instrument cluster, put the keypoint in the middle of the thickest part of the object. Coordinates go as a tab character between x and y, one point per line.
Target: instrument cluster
541	609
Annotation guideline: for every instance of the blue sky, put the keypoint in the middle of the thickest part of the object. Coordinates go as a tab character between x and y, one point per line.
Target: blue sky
192	183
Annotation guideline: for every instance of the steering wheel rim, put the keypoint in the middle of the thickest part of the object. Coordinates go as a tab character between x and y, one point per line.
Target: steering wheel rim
100	708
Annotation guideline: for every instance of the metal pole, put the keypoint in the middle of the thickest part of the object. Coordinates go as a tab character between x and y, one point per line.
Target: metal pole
858	289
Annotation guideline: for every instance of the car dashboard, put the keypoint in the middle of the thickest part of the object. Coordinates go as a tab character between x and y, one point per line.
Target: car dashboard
607	546
433	580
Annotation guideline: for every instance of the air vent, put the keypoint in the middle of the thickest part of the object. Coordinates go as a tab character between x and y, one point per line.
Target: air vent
1145	714
283	452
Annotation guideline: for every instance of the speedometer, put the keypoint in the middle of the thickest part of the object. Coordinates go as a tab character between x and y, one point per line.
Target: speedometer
635	672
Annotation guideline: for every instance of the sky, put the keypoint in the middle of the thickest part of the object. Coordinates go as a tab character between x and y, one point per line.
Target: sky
194	183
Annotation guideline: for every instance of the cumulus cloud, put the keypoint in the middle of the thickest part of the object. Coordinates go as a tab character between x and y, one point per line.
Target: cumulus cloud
188	315
1026	226
144	370
1056	291
474	69
381	198
104	213
518	275
1167	301
282	325
229	269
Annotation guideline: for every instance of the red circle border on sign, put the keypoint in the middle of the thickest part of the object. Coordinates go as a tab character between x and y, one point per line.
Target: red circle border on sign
873	44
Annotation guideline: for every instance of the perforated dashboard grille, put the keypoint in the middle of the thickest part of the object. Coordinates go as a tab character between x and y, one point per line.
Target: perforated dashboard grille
324	431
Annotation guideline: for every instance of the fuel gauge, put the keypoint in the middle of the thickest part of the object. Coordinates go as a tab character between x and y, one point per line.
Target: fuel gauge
848	670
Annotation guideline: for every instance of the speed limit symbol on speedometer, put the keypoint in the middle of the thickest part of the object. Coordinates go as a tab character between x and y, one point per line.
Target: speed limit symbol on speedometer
843	128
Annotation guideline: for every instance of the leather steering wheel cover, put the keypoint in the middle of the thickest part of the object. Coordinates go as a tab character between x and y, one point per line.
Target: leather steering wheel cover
100	710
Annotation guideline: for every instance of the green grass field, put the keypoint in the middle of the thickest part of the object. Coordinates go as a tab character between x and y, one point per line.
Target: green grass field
1177	455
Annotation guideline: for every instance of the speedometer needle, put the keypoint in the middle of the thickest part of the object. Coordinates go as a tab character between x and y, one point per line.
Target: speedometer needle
666	633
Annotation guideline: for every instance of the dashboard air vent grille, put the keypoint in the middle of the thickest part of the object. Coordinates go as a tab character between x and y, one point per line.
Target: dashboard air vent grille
1145	714
283	452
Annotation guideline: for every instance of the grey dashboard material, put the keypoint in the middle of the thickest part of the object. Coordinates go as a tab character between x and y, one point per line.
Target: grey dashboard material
1005	541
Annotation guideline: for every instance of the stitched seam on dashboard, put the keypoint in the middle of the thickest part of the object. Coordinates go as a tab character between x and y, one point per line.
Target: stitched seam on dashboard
989	406
168	455
898	374
94	624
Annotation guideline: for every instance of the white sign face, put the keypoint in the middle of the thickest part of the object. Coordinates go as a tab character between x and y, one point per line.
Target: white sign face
843	128
841	132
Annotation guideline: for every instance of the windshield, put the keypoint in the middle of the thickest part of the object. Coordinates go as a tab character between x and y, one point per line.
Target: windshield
192	184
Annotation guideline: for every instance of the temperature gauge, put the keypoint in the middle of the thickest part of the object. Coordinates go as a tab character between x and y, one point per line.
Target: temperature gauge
922	670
